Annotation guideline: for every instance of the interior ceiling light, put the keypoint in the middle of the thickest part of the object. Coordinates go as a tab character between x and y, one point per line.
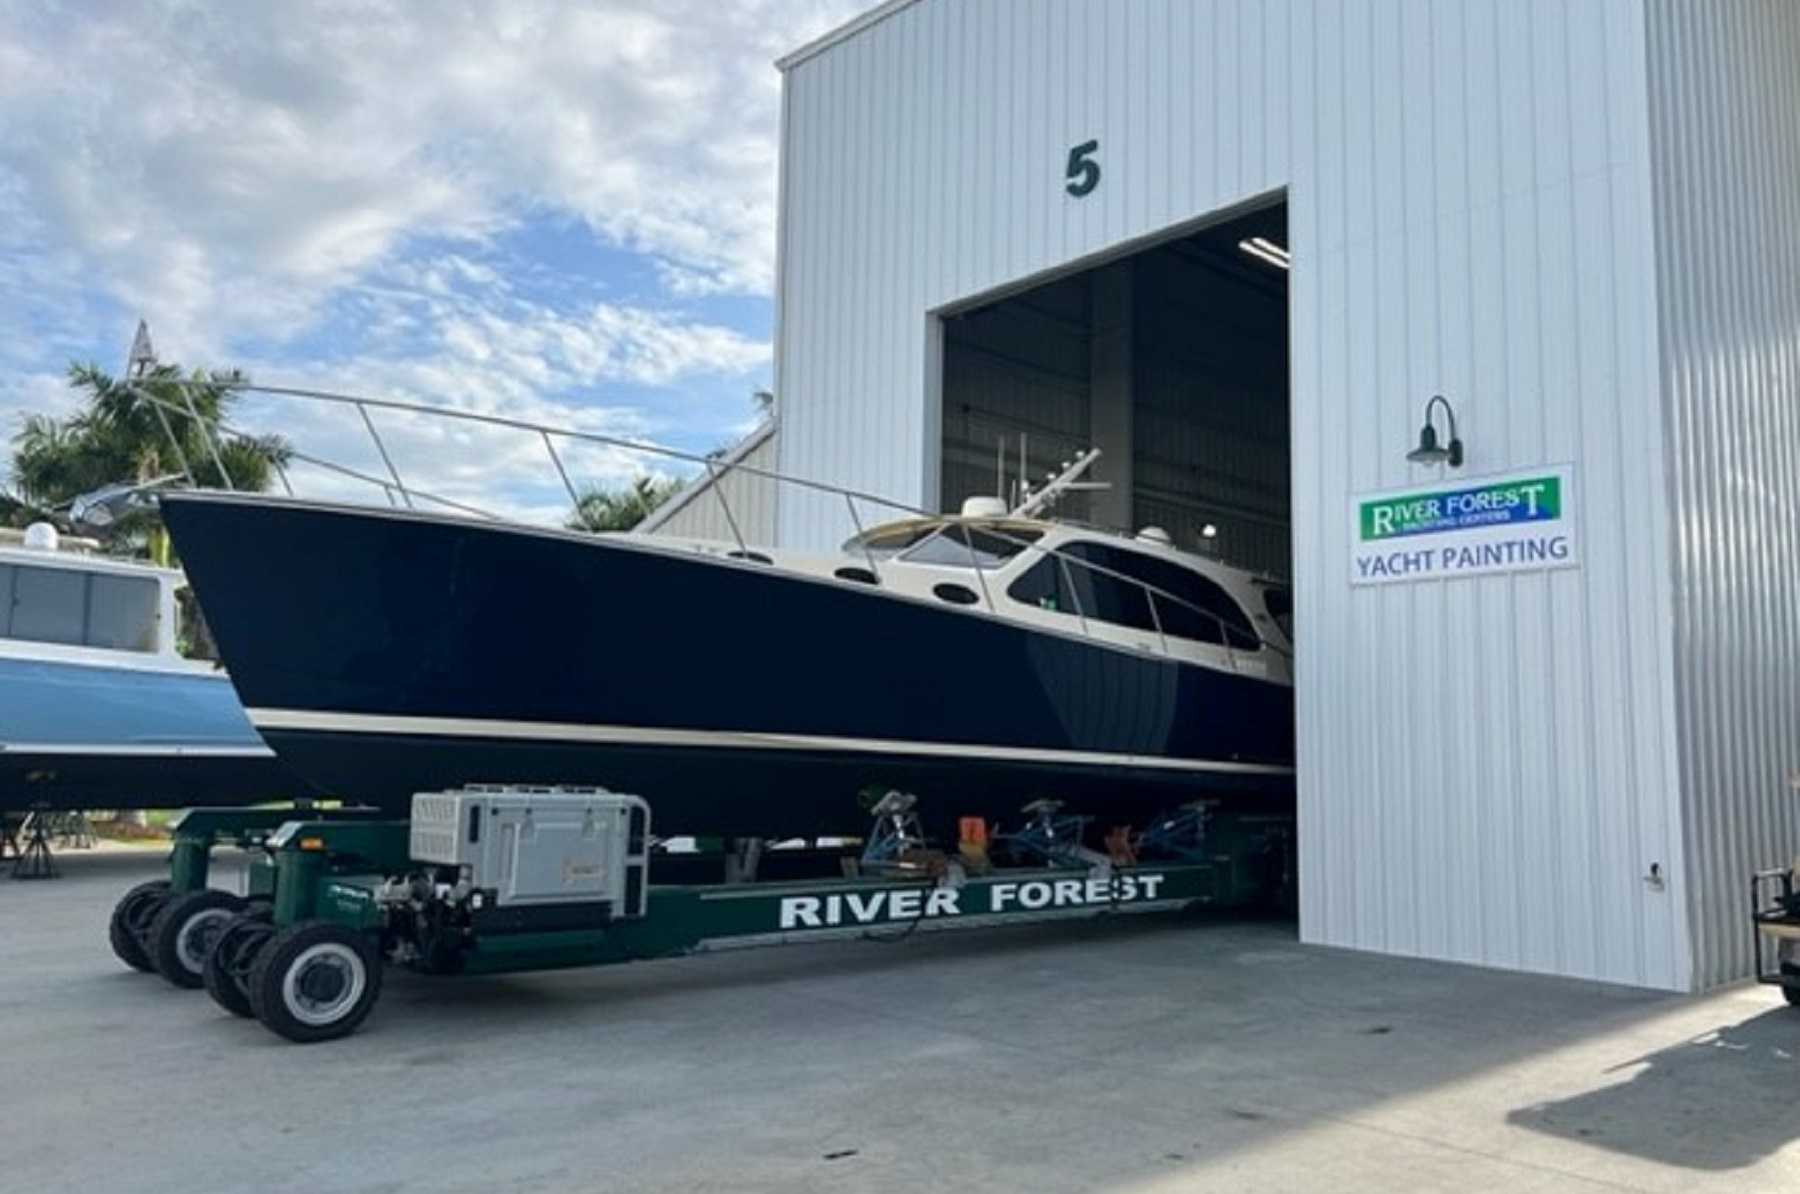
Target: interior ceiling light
1429	450
1264	249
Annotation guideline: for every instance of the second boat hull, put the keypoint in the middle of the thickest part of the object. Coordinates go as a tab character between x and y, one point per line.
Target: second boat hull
85	734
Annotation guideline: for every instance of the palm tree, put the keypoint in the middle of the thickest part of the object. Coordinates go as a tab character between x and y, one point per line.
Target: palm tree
136	432
600	509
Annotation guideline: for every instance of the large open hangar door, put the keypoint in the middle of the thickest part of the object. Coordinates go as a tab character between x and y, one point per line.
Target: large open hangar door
1173	360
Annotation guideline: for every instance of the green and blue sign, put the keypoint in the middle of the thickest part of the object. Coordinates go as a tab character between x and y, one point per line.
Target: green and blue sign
1515	523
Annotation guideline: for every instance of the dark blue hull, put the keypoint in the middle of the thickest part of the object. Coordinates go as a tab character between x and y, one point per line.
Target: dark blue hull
383	653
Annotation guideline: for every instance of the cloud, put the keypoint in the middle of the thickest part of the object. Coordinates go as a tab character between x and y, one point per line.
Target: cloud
375	185
303	141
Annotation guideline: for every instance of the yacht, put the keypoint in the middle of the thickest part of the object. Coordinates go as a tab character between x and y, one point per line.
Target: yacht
979	660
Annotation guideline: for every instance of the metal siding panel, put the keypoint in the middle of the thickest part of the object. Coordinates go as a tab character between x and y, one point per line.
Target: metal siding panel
924	163
1482	761
749	497
1726	133
1470	220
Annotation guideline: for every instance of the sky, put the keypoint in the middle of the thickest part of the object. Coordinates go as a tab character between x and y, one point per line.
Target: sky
557	211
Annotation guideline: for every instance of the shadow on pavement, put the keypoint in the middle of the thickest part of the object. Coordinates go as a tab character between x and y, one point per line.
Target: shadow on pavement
1720	1100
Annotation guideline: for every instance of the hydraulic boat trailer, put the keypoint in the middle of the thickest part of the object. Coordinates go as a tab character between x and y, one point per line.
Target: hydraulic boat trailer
1775	929
503	879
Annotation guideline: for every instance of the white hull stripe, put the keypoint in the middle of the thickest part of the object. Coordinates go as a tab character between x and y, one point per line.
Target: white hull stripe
567	732
135	750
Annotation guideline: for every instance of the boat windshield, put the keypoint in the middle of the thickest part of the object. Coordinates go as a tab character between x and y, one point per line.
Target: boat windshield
949	544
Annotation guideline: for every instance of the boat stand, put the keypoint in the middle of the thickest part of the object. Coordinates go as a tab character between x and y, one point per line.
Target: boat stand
36	861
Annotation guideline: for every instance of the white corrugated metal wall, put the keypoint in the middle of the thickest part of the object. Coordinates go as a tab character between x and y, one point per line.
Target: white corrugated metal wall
923	165
1487	765
1726	139
733	501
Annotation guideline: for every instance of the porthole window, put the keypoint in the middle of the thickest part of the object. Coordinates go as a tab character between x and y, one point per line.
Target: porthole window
861	576
955	594
755	557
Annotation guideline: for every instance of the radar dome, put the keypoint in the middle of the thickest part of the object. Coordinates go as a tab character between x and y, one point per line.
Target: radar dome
40	536
983	507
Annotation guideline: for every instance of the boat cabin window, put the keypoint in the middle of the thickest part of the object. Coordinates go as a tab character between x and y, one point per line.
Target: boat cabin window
76	608
955	594
951	544
1112	584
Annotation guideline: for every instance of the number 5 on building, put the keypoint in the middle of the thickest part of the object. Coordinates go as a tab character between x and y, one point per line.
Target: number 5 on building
1083	172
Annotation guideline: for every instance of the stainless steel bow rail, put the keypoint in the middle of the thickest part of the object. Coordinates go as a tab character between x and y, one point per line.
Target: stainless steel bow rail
562	445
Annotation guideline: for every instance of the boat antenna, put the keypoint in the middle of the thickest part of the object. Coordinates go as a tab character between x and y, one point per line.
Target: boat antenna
1067	481
141	362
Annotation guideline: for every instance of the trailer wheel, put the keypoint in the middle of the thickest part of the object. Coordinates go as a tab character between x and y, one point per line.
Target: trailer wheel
132	917
226	973
315	981
184	931
1790	970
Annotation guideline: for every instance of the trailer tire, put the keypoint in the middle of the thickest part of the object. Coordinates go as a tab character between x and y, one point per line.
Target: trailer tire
1790	970
226	974
315	981
184	931
130	925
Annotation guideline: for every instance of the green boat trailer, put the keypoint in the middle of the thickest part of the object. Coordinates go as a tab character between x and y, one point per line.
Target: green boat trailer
503	879
166	926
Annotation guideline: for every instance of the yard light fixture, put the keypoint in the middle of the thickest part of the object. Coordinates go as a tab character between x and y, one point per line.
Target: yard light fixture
1429	451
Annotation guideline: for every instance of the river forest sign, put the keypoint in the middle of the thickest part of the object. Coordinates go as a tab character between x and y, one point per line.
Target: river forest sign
1522	522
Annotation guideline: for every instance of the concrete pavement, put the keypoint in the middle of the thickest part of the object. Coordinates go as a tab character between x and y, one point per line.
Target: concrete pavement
1150	1053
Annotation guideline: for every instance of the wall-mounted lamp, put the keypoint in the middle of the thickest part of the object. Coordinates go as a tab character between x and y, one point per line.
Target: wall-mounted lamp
1428	451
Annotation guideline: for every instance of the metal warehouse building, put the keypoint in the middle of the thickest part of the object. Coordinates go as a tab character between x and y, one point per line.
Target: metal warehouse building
1053	224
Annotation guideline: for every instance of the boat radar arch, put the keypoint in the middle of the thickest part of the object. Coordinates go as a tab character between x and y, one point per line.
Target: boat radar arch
985	506
40	536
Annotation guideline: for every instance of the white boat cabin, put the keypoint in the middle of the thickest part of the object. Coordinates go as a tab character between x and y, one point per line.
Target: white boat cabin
58	595
1137	592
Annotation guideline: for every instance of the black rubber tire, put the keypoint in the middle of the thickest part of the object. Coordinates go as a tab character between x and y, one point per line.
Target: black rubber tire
132	917
226	973
184	931
1790	970
315	981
